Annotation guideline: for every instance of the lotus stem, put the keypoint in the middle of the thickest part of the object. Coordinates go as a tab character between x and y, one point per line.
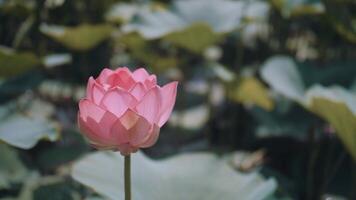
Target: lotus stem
127	169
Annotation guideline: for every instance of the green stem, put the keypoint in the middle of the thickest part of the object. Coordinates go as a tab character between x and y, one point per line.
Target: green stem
127	169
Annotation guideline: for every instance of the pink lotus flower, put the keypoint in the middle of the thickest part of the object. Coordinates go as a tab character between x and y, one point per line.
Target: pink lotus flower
125	110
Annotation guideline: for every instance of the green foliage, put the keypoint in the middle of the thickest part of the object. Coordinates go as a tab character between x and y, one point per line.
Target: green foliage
335	105
251	91
237	91
34	125
14	63
11	168
195	38
209	178
80	38
300	7
338	107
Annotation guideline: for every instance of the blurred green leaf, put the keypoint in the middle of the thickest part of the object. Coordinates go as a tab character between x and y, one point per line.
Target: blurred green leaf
299	7
174	178
334	104
14	86
195	38
71	147
11	168
13	63
251	91
24	132
121	12
281	73
142	50
17	7
57	191
81	38
191	119
337	106
55	60
24	127
221	16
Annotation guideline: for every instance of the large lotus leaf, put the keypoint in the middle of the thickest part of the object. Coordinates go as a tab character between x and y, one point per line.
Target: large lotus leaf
13	63
190	119
192	176
195	38
11	168
251	91
24	132
24	127
81	38
338	107
334	104
220	15
281	73
154	24
299	7
121	12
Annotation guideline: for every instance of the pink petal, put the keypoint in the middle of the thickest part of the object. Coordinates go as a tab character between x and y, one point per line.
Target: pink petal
104	75
129	119
168	95
118	101
101	132
139	133
90	85
140	75
119	69
154	133
91	130
138	90
105	124
119	133
123	79
89	109
149	106
97	93
151	81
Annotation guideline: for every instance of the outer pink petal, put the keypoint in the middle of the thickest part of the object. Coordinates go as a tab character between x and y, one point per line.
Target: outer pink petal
140	75
118	101
92	131
138	90
154	133
104	75
90	85
149	106
168	95
119	133
97	93
139	133
84	129
89	109
105	125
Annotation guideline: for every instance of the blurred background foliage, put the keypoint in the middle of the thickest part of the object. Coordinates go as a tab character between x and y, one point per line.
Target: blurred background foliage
270	83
